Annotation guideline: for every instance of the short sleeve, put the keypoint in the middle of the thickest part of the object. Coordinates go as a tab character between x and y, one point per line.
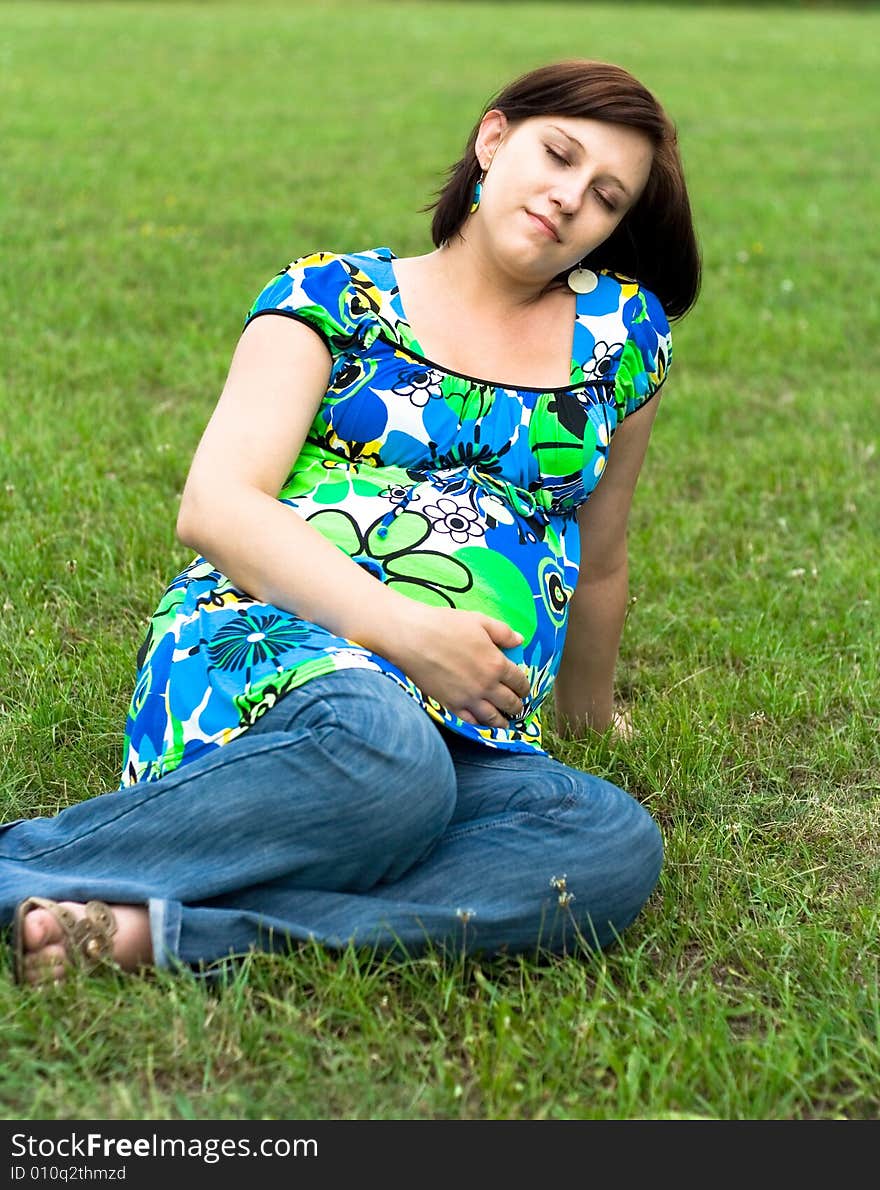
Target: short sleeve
313	289
646	354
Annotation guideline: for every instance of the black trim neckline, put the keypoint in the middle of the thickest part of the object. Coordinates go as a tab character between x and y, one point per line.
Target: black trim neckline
477	380
397	345
482	383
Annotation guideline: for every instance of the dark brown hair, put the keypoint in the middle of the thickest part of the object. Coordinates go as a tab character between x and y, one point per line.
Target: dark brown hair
655	243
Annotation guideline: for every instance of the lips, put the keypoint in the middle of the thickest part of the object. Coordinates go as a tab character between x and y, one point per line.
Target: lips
547	224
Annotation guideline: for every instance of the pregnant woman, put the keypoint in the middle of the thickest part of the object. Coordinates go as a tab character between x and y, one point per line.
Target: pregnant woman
409	509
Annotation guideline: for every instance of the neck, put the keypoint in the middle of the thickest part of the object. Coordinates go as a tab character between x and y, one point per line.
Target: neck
480	279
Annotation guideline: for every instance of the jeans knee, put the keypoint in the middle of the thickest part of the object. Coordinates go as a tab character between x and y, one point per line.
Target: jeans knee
623	850
647	851
399	776
404	768
639	849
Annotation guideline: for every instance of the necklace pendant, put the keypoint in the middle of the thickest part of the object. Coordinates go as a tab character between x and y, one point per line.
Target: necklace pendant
582	280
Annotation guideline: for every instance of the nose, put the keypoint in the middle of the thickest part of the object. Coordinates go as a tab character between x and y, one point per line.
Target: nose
566	197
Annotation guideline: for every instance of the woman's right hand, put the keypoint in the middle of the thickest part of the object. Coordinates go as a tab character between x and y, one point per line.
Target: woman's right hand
456	657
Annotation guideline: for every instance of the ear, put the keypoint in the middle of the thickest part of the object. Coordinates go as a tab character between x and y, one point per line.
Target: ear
493	127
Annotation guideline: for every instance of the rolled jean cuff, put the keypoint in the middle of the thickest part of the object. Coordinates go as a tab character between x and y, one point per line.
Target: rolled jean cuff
165	925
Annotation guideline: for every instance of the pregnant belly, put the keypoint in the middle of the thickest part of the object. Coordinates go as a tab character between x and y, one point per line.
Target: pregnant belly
455	544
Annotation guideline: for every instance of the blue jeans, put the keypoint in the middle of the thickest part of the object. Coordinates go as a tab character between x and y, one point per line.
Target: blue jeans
345	815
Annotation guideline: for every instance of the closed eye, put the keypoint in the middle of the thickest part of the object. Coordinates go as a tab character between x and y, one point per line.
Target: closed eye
557	156
605	201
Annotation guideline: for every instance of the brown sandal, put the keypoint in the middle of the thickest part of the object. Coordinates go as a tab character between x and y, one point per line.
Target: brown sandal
88	940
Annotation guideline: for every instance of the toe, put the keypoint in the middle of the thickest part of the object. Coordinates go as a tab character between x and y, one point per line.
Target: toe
45	965
38	929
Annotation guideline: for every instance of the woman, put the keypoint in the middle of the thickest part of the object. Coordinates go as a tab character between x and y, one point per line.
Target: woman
312	754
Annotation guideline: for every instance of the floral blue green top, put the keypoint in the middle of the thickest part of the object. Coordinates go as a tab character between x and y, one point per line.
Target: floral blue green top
456	491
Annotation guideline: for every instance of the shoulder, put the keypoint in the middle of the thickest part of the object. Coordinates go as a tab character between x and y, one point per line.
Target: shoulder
635	304
646	353
344	267
642	309
616	317
333	291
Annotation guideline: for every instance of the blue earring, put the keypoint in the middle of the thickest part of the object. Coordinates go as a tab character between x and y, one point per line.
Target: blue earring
478	194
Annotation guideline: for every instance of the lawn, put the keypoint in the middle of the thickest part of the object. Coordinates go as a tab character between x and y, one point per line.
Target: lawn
160	163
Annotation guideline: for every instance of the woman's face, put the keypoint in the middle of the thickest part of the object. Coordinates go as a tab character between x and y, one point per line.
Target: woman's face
555	188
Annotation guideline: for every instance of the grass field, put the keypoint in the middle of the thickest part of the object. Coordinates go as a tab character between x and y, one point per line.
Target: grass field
160	163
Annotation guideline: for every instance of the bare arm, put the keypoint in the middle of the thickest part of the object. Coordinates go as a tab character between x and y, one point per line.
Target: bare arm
230	514
585	684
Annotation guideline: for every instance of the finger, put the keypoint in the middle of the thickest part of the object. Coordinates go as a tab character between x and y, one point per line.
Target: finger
502	634
467	716
488	715
506	701
514	677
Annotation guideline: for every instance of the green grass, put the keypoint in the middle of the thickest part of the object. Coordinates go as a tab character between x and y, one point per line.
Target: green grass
160	162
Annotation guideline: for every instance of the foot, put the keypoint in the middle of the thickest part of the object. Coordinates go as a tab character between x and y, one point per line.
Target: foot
45	956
